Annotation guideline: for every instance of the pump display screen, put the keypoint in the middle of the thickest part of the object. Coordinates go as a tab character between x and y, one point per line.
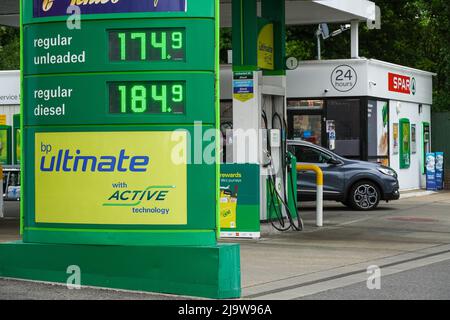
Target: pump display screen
156	97
158	44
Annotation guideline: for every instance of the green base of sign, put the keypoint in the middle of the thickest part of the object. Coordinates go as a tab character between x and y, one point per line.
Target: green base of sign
208	271
121	237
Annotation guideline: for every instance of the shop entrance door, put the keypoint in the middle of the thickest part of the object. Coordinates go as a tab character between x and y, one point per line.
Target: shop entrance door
343	116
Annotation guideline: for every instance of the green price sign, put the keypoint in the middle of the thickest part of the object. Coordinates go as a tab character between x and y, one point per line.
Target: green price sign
147	97
112	92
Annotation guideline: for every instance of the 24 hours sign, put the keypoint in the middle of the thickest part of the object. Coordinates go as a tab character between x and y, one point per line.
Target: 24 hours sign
344	78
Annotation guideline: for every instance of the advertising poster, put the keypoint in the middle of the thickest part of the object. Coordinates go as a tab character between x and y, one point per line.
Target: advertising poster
378	131
430	162
413	139
405	144
439	170
18	146
266	48
239	201
395	135
382	128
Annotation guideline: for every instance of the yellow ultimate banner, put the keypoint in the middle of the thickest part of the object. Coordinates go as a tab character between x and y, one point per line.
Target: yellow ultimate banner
266	48
110	178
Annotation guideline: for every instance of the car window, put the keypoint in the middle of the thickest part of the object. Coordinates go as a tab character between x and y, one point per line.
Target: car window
310	155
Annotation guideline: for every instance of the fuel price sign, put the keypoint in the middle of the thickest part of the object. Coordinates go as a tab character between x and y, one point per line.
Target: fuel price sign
147	97
110	118
147	45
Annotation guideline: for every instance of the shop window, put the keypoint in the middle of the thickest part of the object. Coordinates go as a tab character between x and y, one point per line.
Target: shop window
297	104
308	128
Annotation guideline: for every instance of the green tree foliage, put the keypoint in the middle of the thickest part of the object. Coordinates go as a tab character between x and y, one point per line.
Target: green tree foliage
438	48
9	48
414	33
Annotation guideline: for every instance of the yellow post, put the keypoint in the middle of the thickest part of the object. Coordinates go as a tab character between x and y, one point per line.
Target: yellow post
319	193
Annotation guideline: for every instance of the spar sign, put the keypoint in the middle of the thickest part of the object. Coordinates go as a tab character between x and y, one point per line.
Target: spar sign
402	84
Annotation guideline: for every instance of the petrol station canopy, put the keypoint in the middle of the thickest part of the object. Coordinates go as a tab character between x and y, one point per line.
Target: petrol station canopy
9	13
304	12
298	12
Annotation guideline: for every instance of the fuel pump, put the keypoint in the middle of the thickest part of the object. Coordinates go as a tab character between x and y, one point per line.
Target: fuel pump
279	165
259	138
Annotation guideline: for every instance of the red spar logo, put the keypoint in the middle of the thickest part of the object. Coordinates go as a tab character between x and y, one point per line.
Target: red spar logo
402	84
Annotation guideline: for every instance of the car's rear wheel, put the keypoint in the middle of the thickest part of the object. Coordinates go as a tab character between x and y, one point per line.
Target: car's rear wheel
364	196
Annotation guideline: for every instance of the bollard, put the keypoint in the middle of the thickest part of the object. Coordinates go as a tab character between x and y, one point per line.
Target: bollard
319	192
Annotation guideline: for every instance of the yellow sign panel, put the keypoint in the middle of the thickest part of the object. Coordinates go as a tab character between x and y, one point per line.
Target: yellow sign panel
266	48
228	206
110	178
3	119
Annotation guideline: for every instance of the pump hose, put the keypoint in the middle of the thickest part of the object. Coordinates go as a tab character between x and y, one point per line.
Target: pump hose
272	186
275	195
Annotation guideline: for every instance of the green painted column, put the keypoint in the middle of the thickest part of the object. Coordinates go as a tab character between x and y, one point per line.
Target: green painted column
274	11
245	34
246	29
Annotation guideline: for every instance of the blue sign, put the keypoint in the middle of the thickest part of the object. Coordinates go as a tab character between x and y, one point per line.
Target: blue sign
430	164
52	8
243	86
332	135
439	170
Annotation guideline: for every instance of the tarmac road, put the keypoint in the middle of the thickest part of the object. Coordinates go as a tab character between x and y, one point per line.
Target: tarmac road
431	282
408	239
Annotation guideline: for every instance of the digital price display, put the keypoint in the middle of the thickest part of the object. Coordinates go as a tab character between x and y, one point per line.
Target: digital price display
147	45
158	97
